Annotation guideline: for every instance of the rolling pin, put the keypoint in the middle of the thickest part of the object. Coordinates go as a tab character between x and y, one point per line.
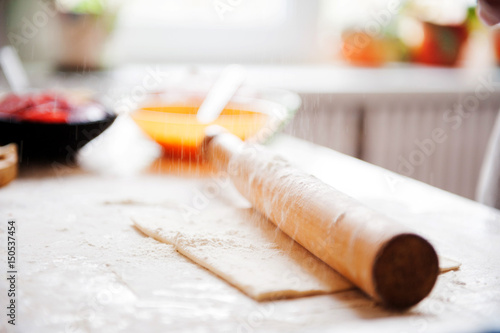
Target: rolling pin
387	261
8	163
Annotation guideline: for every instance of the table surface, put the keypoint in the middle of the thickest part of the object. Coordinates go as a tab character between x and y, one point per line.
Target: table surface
83	267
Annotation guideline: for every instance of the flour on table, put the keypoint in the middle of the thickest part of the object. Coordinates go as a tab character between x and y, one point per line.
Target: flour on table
244	248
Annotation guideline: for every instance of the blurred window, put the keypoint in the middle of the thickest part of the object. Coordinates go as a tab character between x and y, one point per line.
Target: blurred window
216	30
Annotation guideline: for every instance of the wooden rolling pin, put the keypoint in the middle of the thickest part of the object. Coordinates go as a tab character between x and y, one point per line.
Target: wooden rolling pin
386	260
8	163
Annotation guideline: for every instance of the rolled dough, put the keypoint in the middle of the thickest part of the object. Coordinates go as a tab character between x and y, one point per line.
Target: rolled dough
248	251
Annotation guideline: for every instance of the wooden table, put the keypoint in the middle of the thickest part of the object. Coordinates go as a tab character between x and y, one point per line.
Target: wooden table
83	267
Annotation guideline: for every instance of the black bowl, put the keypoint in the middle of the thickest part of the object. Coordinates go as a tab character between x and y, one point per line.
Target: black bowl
48	141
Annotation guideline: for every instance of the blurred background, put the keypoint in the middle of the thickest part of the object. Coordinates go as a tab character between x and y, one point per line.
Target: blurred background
360	32
412	86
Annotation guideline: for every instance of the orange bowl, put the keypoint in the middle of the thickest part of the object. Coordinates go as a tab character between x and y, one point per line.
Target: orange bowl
171	121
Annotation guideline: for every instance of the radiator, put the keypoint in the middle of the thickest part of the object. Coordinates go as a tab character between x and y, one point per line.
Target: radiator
423	136
330	120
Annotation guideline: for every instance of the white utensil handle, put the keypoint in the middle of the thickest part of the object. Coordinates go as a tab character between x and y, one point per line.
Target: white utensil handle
221	93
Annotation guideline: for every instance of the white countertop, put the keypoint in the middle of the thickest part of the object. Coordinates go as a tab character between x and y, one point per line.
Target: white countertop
83	267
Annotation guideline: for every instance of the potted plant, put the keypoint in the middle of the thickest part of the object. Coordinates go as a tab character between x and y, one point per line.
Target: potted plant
440	31
83	27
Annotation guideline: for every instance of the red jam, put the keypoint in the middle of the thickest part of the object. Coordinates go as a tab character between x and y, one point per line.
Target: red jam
48	108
